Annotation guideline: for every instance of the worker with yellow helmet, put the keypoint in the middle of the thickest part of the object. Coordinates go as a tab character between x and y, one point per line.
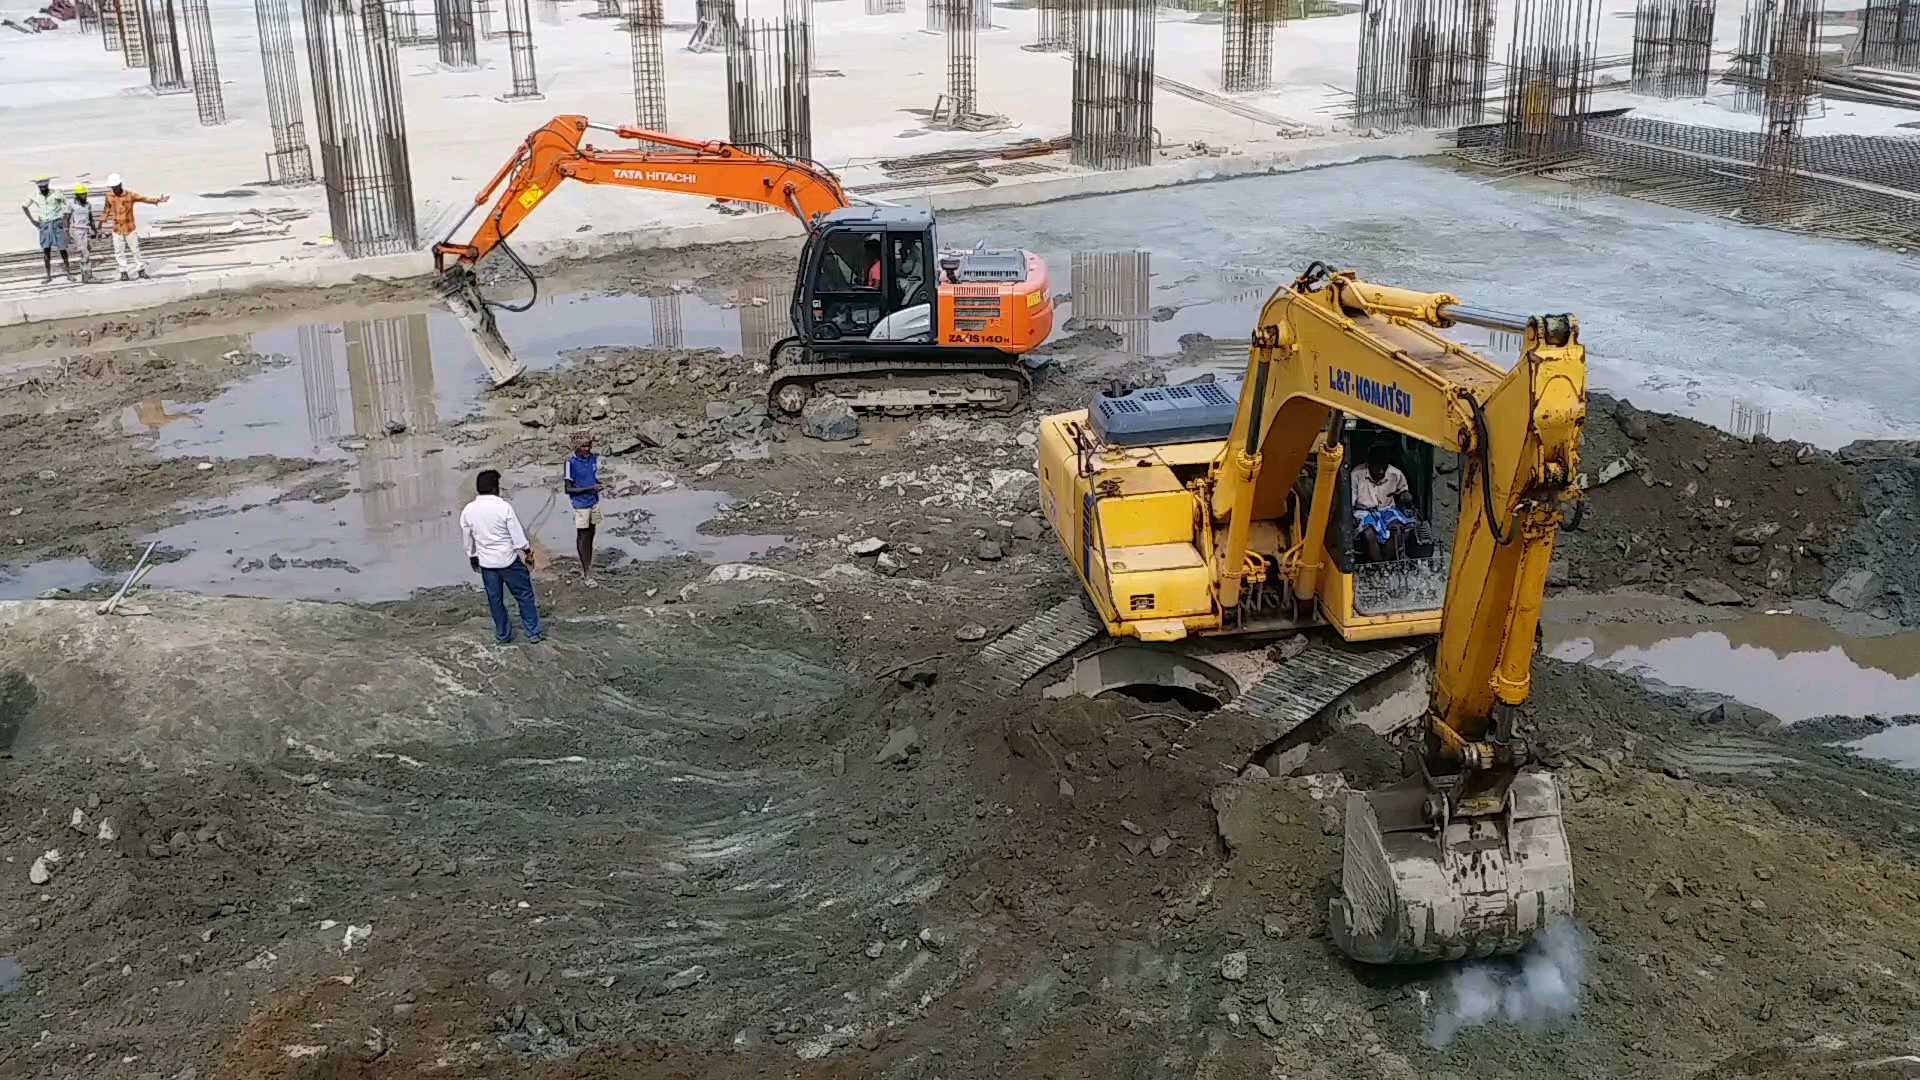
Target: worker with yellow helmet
80	230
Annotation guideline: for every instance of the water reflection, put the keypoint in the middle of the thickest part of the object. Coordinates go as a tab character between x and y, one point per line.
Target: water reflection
1110	293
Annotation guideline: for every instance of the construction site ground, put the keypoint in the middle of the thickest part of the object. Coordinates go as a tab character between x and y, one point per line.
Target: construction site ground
753	809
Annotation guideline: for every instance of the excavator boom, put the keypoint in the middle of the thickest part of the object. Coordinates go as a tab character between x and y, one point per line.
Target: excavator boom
556	152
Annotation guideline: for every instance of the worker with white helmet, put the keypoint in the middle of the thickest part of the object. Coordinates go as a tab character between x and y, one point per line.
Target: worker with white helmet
126	242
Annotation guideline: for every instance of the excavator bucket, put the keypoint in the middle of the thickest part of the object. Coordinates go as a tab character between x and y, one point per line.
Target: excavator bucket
462	296
1480	886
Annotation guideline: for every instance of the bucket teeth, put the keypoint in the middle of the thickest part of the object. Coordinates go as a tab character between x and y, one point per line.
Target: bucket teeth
1483	886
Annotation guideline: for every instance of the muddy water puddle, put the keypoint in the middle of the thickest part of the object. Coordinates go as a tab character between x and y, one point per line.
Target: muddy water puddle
399	530
1792	666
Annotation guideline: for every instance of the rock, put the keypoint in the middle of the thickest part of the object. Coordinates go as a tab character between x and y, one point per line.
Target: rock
934	940
538	418
275	562
1134	846
78	822
1670	916
988	551
1066	789
872	545
900	744
1709	591
749	450
500	979
1855	590
1013	485
1632	423
686	977
1288	649
707	470
1266	1026
721	410
971	632
1160	845
205	466
1255	772
1756	534
40	872
888	565
1027	440
829	419
1699	465
656	433
1612	471
1274	925
93	801
1131	827
876	950
1028	529
1233	966
1744	555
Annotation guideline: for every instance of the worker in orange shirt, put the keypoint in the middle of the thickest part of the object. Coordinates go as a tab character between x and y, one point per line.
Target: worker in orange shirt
126	242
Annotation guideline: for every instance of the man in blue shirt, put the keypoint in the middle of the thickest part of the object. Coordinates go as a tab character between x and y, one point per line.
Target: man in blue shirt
582	482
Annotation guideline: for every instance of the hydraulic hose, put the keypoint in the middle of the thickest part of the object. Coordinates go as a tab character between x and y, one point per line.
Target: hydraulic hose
1486	471
531	280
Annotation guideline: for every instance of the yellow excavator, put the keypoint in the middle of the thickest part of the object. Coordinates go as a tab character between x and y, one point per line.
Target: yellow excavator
1206	511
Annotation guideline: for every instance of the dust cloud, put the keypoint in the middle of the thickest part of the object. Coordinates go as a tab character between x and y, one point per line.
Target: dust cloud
1533	991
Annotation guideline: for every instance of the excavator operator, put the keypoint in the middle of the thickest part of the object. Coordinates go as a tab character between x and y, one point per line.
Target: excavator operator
873	262
1381	500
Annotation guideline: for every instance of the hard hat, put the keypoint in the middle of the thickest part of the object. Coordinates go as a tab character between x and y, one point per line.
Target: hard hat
113	180
42	178
79	189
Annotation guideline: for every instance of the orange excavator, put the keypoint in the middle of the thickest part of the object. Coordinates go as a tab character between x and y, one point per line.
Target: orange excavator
882	316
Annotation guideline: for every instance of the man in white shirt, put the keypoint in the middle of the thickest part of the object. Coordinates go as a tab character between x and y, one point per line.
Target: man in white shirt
498	550
1378	489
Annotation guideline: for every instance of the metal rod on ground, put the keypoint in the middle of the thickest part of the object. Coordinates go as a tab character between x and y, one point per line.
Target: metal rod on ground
108	606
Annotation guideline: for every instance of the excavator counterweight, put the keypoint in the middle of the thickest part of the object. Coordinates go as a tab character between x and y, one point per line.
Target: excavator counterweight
882	317
1227	510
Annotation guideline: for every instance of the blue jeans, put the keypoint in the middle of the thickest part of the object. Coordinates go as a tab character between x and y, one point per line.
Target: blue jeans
510	579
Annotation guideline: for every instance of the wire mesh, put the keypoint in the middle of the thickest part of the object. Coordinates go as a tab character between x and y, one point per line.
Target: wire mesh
159	29
363	128
963	33
769	102
133	39
1423	63
1890	35
207	97
1056	26
88	15
110	25
1672	47
1550	75
290	162
1113	45
715	26
453	26
886	7
526	81
646	25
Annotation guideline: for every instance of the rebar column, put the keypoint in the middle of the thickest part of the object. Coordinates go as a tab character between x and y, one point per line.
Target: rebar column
1550	75
1110	293
409	29
526	83
1672	47
453	27
886	7
110	24
669	331
88	14
1423	63
646	25
1246	44
159	30
1056	26
963	34
1792	65
714	26
769	103
133	40
1113	83
1890	35
363	127
800	12
207	97
290	162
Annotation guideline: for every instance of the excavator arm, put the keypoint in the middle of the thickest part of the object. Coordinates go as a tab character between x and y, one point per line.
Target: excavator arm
555	153
1469	857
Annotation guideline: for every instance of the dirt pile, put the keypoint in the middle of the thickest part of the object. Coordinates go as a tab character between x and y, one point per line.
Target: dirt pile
1673	503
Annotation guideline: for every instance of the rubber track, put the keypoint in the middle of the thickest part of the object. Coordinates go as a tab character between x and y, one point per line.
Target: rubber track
1297	690
812	371
1028	648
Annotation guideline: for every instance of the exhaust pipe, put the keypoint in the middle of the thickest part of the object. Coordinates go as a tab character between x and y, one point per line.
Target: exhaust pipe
461	293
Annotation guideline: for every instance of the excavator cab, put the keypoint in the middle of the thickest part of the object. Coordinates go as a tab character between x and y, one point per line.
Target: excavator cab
1392	597
866	281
